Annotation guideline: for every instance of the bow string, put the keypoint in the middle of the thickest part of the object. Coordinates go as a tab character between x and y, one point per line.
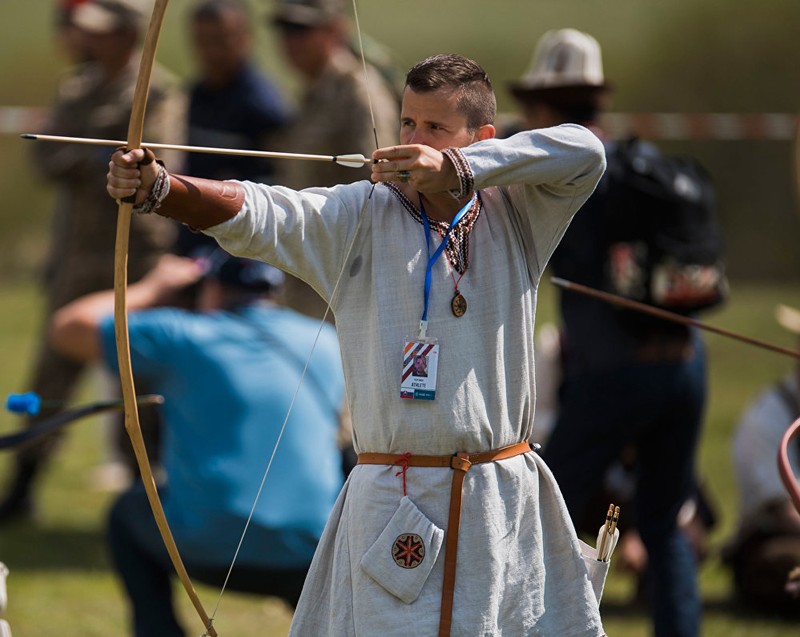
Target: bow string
132	425
328	310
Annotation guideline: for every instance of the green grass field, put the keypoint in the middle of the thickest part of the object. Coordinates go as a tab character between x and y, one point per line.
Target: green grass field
60	579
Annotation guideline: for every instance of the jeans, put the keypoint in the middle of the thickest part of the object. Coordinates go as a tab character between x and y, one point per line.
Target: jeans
658	408
143	563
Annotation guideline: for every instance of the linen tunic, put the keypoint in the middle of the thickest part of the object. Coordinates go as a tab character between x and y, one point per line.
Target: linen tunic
520	571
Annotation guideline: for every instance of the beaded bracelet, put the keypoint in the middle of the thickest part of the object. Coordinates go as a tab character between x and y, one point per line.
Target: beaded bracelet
158	192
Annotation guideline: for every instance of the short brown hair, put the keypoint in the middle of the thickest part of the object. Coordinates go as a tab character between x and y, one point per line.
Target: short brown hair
476	97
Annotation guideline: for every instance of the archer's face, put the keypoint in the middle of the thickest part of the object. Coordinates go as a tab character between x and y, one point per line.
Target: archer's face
432	119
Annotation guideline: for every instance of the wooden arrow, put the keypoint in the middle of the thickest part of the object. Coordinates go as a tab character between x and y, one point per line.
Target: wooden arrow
350	161
667	316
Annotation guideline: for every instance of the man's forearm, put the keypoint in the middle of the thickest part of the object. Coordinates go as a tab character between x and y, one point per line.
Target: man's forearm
201	203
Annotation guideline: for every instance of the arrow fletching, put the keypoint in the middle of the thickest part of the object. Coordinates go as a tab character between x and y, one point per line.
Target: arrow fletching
608	535
351	161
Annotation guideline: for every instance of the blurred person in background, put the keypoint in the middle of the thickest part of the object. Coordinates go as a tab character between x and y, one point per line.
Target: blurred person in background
766	543
622	386
697	517
232	104
334	111
69	38
94	100
228	372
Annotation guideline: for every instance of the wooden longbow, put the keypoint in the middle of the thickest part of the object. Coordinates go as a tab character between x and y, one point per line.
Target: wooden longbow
132	425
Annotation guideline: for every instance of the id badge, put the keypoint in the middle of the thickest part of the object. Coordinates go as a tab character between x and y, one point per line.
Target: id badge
420	363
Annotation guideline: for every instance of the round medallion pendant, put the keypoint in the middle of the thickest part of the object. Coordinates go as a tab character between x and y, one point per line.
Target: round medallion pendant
458	305
408	550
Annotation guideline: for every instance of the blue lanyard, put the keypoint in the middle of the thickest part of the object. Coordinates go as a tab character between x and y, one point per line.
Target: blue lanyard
423	324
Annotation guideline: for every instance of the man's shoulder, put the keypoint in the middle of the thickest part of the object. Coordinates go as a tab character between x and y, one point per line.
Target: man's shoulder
253	78
78	82
345	72
165	84
297	332
343	63
295	320
259	93
163	317
159	329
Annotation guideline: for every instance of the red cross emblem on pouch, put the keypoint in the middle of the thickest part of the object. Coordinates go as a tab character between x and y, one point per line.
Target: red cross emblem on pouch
408	550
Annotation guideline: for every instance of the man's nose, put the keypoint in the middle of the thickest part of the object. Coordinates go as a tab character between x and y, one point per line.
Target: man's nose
418	137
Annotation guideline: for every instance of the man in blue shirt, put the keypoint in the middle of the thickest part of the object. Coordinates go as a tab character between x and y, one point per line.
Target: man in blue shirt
229	372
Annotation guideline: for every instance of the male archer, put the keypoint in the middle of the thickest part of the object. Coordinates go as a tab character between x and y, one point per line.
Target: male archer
449	524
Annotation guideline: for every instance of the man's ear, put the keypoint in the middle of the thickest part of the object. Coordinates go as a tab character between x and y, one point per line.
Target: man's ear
487	131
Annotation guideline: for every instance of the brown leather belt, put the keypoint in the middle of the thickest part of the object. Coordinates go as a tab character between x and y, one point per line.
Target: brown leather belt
460	463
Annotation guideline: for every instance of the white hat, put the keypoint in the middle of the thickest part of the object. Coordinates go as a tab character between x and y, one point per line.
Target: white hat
107	16
565	58
788	317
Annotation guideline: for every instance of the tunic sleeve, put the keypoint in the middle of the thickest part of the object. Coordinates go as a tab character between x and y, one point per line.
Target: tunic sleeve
547	174
306	233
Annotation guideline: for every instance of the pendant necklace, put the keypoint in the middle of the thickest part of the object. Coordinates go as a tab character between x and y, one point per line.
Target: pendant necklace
459	303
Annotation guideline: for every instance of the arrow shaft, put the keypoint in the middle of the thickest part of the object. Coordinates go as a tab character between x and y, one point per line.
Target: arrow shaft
668	316
239	152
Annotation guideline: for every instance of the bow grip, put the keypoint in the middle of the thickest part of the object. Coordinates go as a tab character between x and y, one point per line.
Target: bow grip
149	158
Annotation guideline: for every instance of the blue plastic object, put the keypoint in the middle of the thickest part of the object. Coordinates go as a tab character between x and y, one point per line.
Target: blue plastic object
27	403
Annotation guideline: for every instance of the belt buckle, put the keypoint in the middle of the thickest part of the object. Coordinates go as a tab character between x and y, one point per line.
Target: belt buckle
460	461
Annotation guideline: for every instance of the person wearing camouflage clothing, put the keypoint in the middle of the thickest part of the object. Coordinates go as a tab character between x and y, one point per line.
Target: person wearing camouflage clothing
94	100
334	113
